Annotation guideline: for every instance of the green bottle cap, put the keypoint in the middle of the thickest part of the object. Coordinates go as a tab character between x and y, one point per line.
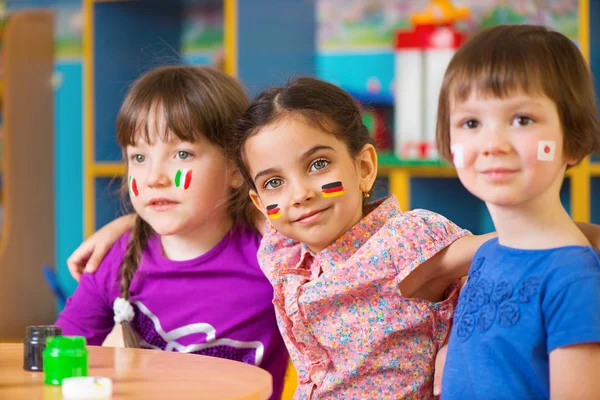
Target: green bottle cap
64	357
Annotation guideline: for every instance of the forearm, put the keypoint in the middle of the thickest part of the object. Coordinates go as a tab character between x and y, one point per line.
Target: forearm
591	232
456	258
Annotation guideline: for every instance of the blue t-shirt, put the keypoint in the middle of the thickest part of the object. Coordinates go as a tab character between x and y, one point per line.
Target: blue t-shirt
518	306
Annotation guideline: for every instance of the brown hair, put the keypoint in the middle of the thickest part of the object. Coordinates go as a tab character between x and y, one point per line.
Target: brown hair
501	60
196	102
325	106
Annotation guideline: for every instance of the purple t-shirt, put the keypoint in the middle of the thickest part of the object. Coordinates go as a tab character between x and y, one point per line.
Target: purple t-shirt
219	304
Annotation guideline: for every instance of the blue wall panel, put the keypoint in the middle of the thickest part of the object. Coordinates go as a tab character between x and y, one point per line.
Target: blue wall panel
68	168
276	40
130	38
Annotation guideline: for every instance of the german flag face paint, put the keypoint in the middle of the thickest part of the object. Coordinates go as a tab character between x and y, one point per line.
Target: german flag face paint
333	189
133	190
273	211
183	178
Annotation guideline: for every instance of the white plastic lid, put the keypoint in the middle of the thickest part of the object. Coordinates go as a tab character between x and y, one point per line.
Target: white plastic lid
87	388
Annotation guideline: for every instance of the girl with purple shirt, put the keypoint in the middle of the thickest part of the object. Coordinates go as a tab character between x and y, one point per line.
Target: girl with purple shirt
186	278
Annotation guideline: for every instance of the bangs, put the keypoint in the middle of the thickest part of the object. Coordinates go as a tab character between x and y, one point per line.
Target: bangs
500	66
161	106
167	121
498	80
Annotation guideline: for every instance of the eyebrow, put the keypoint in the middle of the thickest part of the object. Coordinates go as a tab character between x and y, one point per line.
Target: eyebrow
267	171
315	149
306	154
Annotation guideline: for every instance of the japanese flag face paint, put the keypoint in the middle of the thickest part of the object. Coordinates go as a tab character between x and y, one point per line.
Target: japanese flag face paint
183	178
273	211
458	157
333	189
133	190
546	150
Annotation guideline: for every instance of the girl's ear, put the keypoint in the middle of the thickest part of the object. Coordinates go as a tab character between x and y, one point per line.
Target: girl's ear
367	167
257	202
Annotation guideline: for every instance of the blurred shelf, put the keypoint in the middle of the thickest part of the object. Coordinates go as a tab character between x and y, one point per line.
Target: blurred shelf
595	169
388	163
107	169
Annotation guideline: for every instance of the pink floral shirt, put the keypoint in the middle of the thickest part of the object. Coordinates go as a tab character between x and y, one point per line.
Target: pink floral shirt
350	332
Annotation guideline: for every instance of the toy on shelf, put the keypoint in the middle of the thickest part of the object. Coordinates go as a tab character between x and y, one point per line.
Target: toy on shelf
421	57
376	119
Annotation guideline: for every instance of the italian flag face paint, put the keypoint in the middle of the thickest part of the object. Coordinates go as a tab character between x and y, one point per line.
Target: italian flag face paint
133	190
183	177
333	189
273	211
458	158
546	150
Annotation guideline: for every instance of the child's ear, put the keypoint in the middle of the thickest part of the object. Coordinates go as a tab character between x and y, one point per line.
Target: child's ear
256	201
367	167
234	177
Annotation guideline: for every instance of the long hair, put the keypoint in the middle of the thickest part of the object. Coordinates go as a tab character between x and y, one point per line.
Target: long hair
196	102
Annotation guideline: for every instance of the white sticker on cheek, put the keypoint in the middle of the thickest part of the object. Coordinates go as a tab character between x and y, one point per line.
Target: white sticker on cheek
458	158
546	150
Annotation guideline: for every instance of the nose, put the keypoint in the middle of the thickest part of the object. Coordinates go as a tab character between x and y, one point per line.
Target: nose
495	141
303	192
157	176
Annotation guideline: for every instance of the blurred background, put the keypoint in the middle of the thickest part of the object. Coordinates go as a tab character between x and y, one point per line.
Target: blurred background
65	66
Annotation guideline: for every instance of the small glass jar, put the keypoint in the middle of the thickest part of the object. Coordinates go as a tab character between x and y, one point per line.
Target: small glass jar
34	344
64	357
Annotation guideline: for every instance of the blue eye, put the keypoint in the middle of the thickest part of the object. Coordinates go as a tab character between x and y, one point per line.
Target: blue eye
319	164
273	183
182	155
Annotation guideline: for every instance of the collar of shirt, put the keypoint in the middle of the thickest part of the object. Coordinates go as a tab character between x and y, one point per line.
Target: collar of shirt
377	214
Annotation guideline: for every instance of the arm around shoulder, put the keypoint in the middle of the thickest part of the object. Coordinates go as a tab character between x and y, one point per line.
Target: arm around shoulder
89	254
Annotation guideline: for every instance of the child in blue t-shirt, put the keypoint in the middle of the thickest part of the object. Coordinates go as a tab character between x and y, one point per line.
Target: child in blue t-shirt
516	109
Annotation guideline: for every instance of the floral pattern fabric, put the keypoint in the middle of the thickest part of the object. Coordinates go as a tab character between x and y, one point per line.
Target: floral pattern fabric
350	332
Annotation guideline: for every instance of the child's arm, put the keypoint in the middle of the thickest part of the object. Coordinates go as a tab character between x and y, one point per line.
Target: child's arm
431	279
90	253
454	261
88	312
575	372
591	232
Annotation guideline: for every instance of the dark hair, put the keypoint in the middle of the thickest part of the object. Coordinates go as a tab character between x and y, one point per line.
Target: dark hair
196	102
321	104
501	60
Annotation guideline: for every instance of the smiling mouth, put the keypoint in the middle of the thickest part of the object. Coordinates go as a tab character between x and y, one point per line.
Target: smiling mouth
310	217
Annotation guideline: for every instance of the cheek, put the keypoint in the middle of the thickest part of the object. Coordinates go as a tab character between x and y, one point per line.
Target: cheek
532	150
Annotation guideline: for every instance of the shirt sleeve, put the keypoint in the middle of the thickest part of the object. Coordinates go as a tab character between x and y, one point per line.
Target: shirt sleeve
88	312
418	235
572	314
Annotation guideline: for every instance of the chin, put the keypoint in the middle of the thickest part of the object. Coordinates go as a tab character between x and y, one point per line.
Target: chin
166	231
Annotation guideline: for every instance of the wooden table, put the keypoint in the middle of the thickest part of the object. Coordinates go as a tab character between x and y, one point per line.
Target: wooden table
143	374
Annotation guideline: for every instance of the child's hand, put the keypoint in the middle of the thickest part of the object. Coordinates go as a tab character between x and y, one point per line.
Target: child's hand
440	360
90	253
